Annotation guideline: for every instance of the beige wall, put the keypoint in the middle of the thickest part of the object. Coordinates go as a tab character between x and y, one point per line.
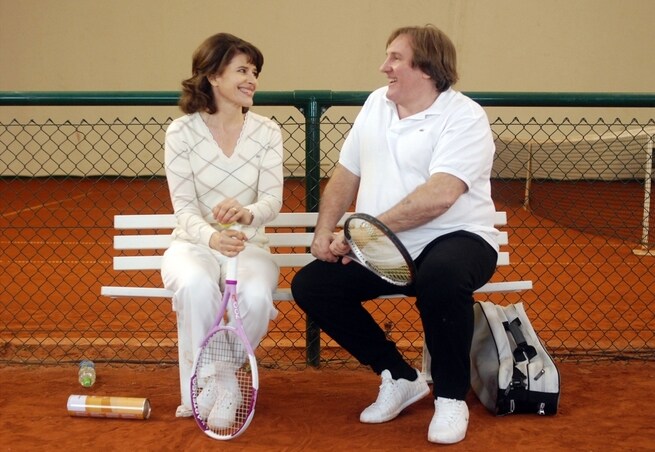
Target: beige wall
503	45
146	45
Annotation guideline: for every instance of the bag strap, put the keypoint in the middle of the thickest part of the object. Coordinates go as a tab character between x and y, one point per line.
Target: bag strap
523	350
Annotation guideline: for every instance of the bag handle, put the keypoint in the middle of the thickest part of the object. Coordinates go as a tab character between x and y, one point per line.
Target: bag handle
522	351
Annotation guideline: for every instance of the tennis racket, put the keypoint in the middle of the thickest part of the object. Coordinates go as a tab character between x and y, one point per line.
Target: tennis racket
377	248
225	380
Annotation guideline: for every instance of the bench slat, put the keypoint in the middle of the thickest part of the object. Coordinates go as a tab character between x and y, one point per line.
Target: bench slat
136	292
284	294
281	294
155	221
276	239
133	263
142	242
167	221
286	219
122	263
505	286
163	241
290	238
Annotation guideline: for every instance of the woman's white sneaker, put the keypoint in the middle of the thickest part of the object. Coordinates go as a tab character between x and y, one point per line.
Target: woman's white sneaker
207	398
228	399
450	421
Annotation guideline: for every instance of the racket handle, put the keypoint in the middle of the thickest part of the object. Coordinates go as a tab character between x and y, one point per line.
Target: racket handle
231	269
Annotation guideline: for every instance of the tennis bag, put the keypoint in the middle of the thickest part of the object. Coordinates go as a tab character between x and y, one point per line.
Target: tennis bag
511	371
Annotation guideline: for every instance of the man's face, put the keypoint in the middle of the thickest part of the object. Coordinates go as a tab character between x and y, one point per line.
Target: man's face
403	78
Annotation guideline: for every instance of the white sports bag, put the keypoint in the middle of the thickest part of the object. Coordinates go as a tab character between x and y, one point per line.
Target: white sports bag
511	371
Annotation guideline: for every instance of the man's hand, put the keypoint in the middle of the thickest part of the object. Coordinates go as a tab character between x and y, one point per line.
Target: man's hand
322	246
340	247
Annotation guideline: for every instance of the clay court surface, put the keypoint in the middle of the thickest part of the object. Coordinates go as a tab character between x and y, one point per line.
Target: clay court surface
604	407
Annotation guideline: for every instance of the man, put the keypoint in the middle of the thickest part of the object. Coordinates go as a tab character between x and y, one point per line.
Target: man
418	158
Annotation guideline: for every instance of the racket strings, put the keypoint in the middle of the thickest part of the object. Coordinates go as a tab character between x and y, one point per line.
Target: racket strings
225	372
379	252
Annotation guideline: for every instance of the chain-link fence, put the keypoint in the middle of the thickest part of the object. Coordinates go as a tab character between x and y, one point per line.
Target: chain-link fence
577	194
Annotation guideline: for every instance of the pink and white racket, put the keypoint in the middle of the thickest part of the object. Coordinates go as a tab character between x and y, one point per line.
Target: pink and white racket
225	380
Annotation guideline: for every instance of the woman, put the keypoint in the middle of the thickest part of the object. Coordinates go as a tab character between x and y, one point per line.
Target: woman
223	165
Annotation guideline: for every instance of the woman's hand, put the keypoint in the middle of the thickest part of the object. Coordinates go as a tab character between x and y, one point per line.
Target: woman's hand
230	211
228	242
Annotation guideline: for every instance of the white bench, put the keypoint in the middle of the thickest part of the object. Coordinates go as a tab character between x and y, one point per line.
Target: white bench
290	249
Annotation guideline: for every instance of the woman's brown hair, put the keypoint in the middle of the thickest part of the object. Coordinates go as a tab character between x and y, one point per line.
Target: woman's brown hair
211	58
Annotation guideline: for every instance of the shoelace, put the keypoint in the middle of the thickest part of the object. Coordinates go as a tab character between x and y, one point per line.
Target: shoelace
453	411
386	390
228	399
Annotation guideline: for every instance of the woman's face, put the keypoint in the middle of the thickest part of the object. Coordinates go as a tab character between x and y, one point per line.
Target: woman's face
237	83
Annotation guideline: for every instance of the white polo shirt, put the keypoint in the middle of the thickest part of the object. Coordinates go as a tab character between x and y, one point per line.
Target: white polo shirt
393	156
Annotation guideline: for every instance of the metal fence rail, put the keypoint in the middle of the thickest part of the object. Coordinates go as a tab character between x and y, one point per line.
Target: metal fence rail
577	193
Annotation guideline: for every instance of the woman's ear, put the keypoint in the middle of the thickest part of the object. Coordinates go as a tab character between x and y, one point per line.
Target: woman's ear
213	79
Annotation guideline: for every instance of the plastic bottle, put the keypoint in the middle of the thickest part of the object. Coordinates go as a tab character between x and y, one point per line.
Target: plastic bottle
87	373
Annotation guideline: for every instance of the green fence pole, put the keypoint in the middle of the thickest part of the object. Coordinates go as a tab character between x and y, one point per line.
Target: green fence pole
312	114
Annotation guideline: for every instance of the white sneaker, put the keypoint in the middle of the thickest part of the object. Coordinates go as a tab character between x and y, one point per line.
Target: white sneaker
394	396
206	375
228	400
450	420
207	397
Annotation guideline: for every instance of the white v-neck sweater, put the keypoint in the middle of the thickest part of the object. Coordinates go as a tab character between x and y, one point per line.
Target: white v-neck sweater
200	175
